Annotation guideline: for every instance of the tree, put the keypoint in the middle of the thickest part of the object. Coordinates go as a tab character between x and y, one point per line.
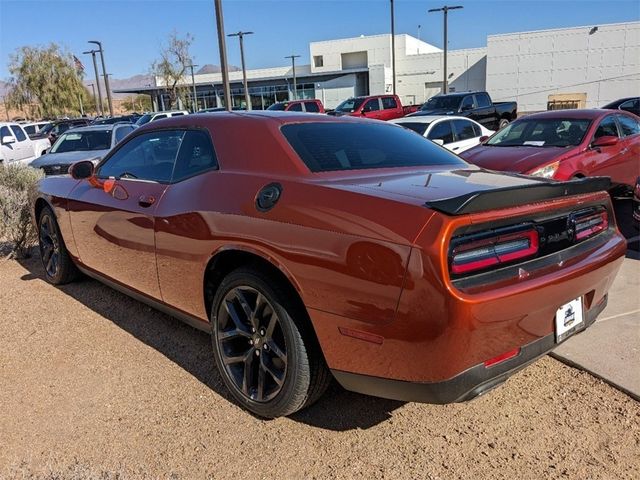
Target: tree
139	103
45	81
172	66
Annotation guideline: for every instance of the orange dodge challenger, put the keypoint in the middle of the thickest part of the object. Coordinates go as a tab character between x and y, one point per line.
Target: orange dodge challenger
316	247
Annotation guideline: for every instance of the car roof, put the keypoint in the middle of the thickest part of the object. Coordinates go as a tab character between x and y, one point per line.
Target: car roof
96	128
429	118
588	114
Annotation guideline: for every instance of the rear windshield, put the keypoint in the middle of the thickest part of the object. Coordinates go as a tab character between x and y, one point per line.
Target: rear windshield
415	126
351	146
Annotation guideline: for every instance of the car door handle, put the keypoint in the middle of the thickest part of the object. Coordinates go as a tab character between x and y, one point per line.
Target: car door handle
146	200
455	148
624	150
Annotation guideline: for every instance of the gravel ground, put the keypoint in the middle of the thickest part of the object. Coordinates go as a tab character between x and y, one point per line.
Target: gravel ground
94	384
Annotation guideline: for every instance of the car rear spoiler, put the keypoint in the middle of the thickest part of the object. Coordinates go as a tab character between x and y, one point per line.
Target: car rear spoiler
519	195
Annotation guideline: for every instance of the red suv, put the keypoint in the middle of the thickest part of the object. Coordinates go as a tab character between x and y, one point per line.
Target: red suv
310	106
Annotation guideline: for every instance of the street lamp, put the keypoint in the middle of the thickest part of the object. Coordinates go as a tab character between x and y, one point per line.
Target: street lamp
104	72
293	65
95	100
193	82
99	107
240	36
393	49
445	10
223	54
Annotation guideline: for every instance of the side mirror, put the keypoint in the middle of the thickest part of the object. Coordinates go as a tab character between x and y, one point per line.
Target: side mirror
483	138
438	141
606	141
8	139
80	170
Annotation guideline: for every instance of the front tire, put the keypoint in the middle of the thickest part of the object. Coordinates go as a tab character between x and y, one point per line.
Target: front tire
263	346
58	266
503	123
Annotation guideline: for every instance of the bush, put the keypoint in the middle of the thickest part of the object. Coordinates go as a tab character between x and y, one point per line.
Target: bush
18	185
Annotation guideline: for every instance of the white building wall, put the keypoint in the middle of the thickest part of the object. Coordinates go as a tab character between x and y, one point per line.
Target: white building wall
530	66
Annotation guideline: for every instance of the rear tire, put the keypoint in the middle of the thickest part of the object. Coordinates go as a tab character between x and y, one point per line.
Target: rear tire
56	261
263	345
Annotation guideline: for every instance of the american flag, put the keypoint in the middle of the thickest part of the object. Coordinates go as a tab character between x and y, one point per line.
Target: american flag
78	64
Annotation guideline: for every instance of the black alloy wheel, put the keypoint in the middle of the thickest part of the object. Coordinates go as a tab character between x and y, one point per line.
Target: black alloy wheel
251	343
49	246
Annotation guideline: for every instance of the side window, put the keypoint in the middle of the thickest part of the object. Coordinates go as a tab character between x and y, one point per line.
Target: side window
628	125
158	117
388	103
149	156
464	130
467	103
476	130
371	106
5	132
30	129
441	131
607	127
628	105
177	114
482	99
295	107
17	131
196	155
122	132
311	107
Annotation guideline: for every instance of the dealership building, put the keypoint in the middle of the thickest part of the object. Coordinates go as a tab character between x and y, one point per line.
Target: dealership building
547	69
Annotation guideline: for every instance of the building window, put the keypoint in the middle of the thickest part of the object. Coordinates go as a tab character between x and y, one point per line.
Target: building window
318	61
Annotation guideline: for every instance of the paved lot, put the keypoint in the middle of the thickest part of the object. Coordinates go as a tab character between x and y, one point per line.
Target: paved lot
94	384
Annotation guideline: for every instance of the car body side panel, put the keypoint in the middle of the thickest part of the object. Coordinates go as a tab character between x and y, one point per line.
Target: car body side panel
340	260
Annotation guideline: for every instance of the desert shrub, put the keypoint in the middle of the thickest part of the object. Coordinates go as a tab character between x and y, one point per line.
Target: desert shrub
18	185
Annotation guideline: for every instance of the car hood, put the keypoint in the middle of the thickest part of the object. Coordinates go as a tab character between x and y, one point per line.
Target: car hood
513	159
420	187
441	111
67	158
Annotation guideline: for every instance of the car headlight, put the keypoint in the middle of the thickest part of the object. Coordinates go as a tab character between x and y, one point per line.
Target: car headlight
548	171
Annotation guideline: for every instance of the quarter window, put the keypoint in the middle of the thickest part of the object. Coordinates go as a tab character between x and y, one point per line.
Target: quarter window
464	130
149	156
628	126
441	131
607	128
388	103
18	133
196	155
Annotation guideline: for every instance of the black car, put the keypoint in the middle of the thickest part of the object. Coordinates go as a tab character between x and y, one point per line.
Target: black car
57	128
629	104
120	119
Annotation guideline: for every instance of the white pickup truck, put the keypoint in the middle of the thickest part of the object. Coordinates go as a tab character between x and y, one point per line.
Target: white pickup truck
16	146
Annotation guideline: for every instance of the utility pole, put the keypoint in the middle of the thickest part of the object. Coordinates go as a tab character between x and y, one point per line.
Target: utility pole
95	68
193	83
393	49
445	10
240	36
295	85
95	100
106	77
223	54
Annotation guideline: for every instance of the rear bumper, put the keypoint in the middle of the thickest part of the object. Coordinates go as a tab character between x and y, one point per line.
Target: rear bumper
465	386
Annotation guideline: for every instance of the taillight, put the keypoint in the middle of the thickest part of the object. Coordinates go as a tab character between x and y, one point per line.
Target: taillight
589	224
502	357
477	252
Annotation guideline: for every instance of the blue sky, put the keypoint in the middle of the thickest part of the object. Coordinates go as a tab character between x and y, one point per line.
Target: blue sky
132	31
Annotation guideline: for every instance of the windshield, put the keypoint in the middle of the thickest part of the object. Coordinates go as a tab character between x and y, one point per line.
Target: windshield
442	103
277	106
350	105
533	132
144	119
83	141
417	127
351	146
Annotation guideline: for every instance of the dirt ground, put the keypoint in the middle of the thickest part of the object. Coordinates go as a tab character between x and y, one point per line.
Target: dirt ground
96	385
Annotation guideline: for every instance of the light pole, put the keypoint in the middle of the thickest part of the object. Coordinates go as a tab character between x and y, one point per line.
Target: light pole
223	54
240	36
293	65
193	83
99	107
445	10
393	50
106	77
